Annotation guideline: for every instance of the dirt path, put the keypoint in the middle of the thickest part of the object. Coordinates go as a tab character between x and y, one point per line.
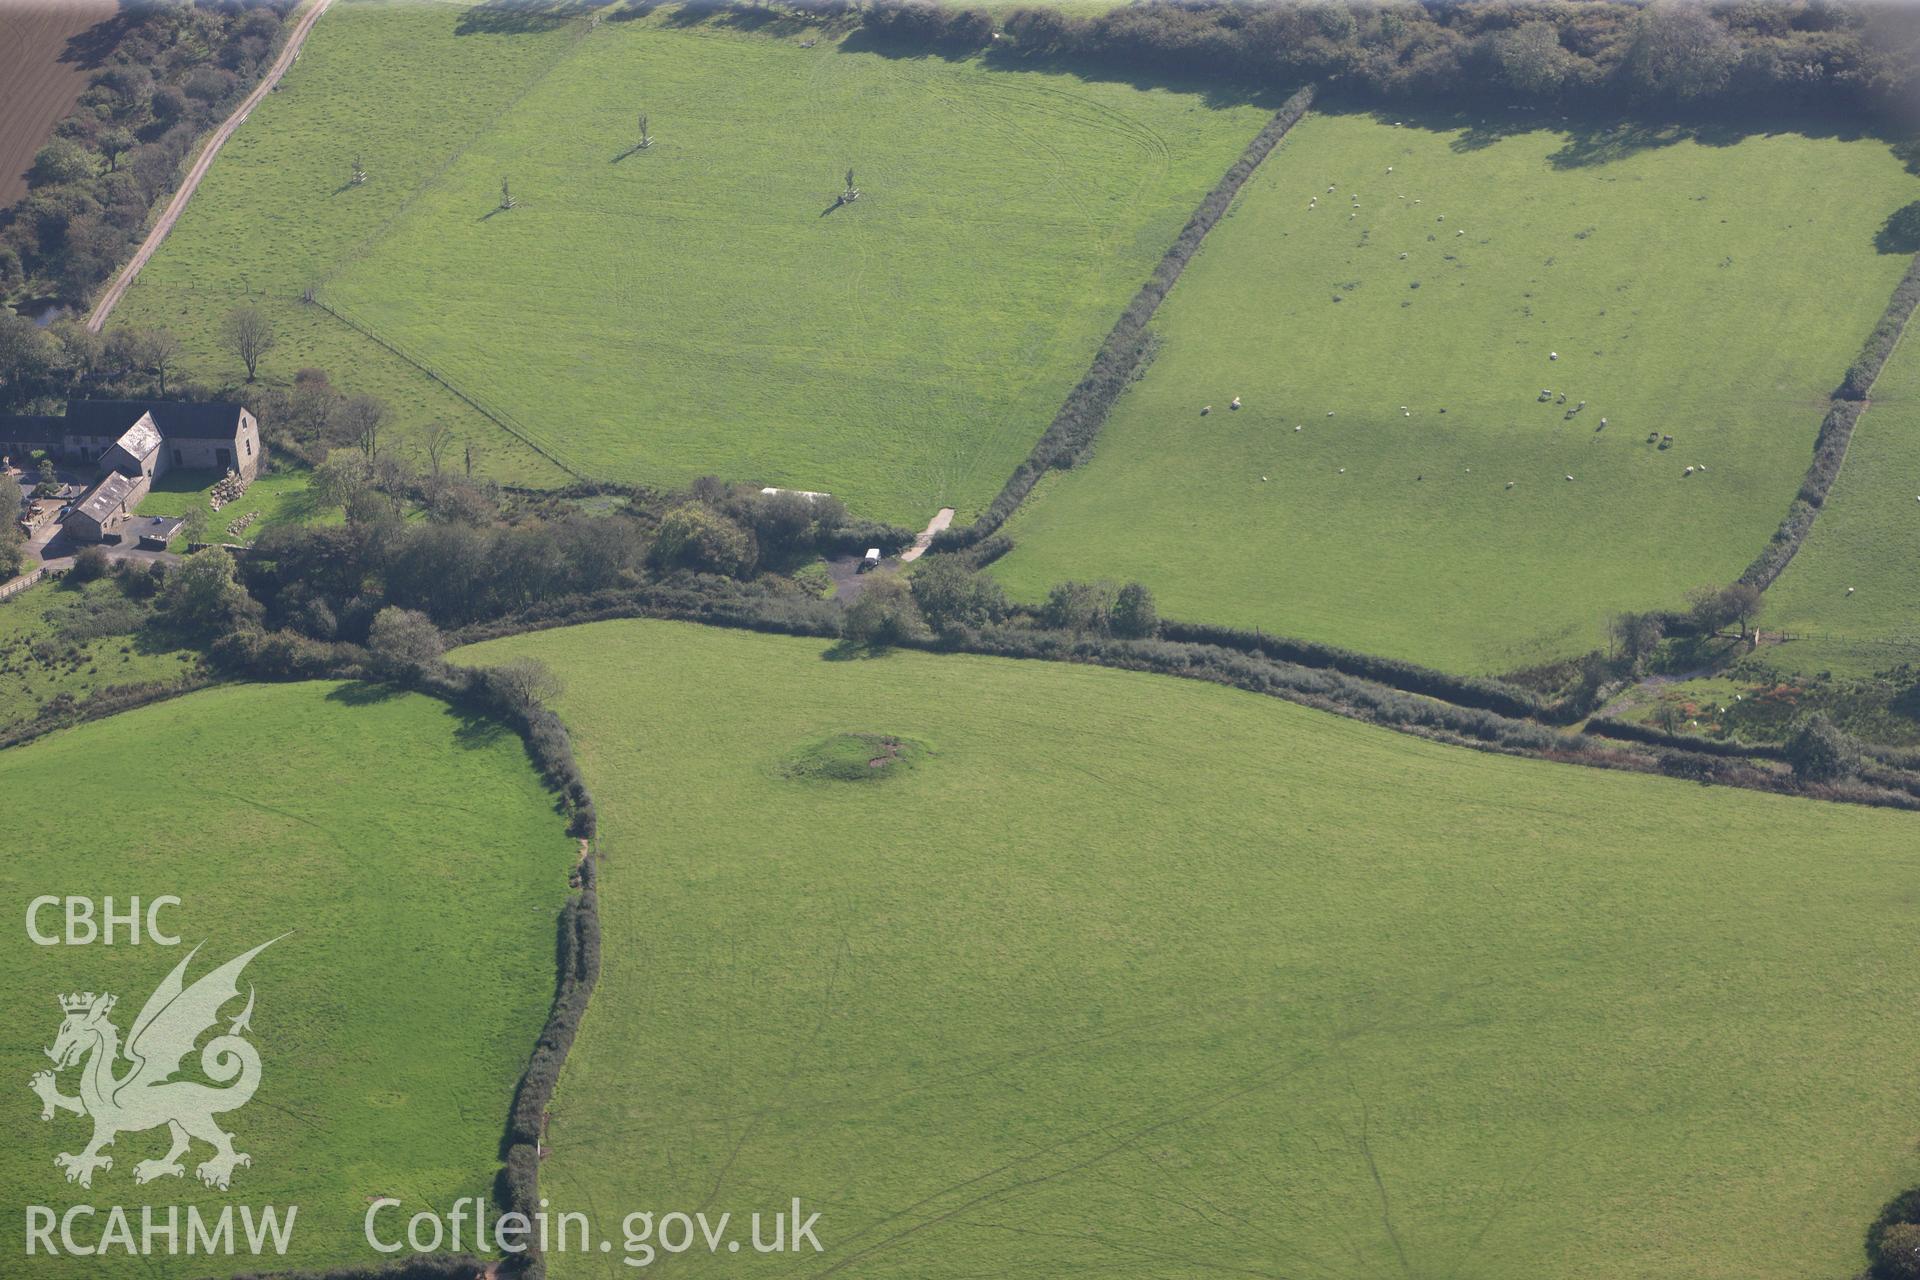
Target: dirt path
111	298
925	540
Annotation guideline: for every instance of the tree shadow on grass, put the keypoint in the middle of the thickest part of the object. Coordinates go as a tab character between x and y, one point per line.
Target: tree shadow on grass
632	9
1212	93
477	731
1592	140
365	693
853	651
520	17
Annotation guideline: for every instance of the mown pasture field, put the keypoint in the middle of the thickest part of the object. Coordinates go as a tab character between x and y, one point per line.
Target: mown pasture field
1130	975
391	84
1705	290
393	1020
1866	538
702	306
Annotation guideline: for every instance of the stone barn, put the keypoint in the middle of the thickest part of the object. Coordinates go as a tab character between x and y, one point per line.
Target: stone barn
106	507
195	437
134	442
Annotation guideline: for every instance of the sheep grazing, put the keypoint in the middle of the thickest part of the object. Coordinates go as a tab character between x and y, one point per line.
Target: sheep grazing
1509	484
1441	218
1459	233
1553	355
1583	404
1329	413
1329	188
1389	168
1299	428
1569	477
1403	257
1561	398
1235	404
1849	590
1205	409
1687	472
1343	471
1263	479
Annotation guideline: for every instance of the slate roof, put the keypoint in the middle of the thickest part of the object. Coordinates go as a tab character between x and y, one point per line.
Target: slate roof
176	421
37	427
141	439
107	497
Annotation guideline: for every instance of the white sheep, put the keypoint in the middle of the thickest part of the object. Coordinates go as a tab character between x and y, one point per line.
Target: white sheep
1603	422
1299	428
1389	168
1459	233
1849	590
1235	404
1343	471
1553	355
1403	257
1509	484
1205	409
1687	472
1329	413
1569	477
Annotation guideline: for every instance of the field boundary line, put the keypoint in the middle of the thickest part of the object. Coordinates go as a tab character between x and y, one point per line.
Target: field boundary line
499	417
289	54
1076	426
1835	438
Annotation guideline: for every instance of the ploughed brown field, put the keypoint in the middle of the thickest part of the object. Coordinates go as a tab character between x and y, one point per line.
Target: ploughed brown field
38	82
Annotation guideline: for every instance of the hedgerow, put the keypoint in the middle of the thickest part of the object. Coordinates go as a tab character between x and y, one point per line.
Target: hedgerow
1071	434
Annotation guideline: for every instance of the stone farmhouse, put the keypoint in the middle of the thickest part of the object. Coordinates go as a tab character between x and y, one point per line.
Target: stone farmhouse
133	442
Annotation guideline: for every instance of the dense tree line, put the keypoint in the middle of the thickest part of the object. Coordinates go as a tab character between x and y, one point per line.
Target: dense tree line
173	70
1859	57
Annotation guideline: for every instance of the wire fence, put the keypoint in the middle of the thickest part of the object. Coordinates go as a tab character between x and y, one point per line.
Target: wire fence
500	417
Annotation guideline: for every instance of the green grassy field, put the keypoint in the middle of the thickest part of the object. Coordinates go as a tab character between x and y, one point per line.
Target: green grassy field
1701	291
278	497
1134	976
1865	538
700	307
47	647
392	1022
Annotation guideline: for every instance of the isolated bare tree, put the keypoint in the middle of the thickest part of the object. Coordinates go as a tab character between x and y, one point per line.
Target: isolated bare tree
359	420
159	351
436	438
250	334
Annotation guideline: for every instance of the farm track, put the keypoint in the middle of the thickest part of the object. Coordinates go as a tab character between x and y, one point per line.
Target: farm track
191	183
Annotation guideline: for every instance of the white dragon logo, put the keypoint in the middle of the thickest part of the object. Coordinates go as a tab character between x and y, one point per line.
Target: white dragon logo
147	1096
